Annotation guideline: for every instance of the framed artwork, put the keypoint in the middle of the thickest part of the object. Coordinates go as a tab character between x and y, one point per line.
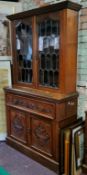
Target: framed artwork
6	8
5	43
72	148
79	147
5	80
5	73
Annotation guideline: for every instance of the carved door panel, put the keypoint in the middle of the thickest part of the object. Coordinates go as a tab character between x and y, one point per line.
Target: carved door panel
18	125
41	132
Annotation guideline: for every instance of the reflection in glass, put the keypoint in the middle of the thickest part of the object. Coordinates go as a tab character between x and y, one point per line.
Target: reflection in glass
55	78
42	63
54	61
47	66
51	78
48	27
41	77
42	28
24	50
46	77
48	46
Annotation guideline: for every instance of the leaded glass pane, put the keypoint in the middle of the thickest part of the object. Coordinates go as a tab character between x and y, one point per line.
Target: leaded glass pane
48	46
24	50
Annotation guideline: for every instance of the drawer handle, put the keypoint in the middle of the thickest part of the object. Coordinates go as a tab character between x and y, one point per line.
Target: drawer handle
70	103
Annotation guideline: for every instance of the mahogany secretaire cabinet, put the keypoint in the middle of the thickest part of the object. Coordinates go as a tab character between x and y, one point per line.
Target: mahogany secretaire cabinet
43	96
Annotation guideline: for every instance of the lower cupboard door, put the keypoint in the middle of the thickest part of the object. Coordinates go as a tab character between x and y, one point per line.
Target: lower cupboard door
41	135
17	123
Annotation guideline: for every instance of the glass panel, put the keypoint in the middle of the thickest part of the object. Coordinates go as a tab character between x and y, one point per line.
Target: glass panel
48	46
24	50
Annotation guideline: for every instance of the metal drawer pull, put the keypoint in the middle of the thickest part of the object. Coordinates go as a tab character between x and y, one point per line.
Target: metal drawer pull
70	103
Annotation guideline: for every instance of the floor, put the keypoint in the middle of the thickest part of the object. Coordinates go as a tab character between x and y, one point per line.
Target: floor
17	163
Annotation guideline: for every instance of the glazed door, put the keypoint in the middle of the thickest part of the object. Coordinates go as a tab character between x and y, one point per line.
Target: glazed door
48	50
17	125
23	51
40	136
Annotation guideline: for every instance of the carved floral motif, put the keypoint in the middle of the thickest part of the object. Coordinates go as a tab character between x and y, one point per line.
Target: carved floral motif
17	124
30	104
42	135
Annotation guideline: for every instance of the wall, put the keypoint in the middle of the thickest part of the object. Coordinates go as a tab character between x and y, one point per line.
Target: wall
82	60
30	4
6	8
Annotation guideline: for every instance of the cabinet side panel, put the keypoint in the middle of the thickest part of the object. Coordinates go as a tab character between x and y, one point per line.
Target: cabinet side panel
68	51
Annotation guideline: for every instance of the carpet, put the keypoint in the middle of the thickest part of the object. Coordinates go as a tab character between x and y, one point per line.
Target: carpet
3	171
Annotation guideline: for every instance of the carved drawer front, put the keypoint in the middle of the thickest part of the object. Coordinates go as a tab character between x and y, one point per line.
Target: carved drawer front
18	125
71	107
41	135
37	106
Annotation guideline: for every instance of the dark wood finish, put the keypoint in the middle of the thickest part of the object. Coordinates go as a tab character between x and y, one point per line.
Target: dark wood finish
41	136
47	109
36	111
67	45
36	121
68	51
17	125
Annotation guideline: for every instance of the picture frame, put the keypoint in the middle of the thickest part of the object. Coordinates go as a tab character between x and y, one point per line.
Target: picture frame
79	147
5	72
7	8
5	81
69	149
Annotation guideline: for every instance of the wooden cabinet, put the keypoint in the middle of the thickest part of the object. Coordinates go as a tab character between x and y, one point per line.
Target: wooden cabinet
43	97
34	123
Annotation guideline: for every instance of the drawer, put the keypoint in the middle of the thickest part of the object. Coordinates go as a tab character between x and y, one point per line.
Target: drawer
37	106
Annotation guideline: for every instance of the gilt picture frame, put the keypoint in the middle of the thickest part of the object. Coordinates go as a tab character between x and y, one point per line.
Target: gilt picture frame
79	147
